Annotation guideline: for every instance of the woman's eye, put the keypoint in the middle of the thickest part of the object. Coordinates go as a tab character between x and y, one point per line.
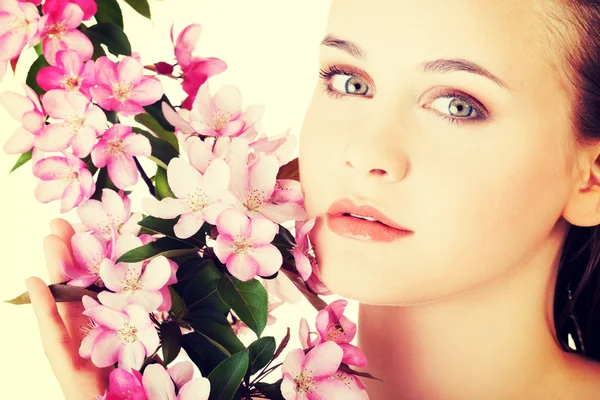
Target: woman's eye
339	82
454	106
457	108
349	84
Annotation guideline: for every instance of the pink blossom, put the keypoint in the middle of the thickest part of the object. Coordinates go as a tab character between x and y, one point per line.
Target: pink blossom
116	148
282	146
88	255
253	187
59	32
123	87
195	70
244	245
132	286
110	217
125	336
70	73
282	288
198	196
88	7
18	27
303	259
65	178
333	325
79	123
315	376
164	291
28	110
36	2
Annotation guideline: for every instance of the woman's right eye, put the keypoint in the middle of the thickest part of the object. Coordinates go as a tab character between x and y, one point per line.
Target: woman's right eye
340	82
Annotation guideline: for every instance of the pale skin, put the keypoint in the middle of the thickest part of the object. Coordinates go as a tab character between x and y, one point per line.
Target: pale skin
462	309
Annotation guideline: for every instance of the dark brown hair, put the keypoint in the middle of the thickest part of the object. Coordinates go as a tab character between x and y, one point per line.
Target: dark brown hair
575	29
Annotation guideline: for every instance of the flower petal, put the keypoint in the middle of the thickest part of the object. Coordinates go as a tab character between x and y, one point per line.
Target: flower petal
234	223
122	171
196	389
106	350
21	141
183	178
157	383
137	145
132	356
242	267
188	225
147	92
324	359
263	231
156	274
268	258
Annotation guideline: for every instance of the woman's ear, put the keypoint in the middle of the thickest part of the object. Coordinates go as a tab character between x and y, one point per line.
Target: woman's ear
583	206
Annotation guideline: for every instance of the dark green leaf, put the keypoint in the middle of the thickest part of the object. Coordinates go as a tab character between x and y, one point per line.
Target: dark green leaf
201	291
247	299
151	123
111	116
141	6
22	160
215	325
31	79
271	390
103	181
203	352
110	35
177	303
261	352
163	189
89	164
161	247
227	376
60	292
162	151
155	110
170	336
284	238
98	52
189	269
109	11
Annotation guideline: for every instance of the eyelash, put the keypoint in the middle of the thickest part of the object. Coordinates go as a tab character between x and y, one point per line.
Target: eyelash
331	71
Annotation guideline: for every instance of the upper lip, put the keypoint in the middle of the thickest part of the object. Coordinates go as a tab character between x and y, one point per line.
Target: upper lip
347	206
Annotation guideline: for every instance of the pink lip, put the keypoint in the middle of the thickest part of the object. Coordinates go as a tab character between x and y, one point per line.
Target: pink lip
385	230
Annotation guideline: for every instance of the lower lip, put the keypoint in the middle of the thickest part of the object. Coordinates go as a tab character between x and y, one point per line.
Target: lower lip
362	229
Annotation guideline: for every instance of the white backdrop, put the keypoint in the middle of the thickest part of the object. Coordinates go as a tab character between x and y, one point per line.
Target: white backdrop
271	47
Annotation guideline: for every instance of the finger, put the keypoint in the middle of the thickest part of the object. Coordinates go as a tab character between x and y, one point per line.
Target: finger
64	230
55	338
57	253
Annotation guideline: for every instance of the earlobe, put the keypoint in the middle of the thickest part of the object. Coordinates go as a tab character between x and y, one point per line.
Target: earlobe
583	207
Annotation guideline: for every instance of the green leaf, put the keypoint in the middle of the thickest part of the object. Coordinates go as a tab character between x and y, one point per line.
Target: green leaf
203	352
60	292
170	336
177	303
270	390
161	247
98	52
22	160
215	325
31	80
201	291
151	123
111	116
109	11
155	110
162	151
38	48
261	352
227	376
141	6
163	190
247	299
110	35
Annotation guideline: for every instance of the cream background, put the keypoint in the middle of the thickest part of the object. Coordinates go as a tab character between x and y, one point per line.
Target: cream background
271	47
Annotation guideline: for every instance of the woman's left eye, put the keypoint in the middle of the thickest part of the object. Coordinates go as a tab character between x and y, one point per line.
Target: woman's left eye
457	108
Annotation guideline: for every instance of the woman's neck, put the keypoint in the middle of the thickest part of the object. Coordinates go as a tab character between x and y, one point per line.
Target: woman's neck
496	342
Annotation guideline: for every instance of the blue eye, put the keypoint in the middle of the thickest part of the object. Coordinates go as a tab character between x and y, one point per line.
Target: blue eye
462	109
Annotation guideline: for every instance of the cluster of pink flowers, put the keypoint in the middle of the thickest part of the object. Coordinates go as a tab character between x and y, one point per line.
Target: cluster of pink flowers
226	176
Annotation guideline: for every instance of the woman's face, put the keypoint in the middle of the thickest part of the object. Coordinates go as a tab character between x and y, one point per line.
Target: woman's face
482	193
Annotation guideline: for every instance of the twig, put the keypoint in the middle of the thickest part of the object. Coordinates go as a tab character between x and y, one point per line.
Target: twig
145	177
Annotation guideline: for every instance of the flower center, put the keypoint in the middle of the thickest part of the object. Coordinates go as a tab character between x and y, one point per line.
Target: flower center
76	122
197	200
128	333
243	246
115	147
255	199
132	283
56	31
72	83
20	24
220	120
304	383
87	329
121	91
69	175
335	333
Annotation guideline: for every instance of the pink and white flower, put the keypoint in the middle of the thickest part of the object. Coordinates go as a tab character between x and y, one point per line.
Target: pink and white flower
18	27
65	178
125	336
132	286
282	146
253	187
88	7
79	123
302	257
116	148
89	254
59	32
198	196
244	245
110	217
28	110
123	87
315	376
70	73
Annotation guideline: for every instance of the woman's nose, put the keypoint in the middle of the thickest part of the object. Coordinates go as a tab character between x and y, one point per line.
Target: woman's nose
380	161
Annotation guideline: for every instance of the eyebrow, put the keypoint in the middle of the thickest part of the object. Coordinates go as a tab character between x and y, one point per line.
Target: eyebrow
441	65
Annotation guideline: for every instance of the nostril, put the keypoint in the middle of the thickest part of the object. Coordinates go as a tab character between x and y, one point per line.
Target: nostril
378	172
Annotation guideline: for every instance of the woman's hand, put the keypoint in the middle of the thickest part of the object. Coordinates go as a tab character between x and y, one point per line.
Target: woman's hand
60	323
